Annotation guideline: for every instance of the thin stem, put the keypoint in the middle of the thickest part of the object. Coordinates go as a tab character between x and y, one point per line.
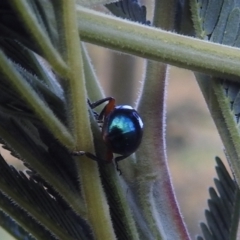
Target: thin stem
33	100
223	117
152	167
164	14
94	89
40	38
76	80
158	45
96	204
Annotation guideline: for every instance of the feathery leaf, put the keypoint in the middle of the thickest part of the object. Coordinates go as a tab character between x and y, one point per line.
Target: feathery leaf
13	228
223	214
129	9
219	21
45	209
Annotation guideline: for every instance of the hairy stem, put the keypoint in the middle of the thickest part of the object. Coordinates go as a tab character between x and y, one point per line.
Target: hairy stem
158	45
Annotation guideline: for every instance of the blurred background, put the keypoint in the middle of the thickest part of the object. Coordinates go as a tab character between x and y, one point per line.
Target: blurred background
192	139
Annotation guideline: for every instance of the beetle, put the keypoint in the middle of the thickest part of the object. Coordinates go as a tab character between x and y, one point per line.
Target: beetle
122	130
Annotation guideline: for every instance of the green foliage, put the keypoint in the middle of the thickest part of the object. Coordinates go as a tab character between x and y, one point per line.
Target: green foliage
220	23
223	214
12	227
46	78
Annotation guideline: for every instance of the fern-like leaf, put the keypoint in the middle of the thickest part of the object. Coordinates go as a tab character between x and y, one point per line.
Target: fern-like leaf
39	205
223	214
219	21
129	9
13	228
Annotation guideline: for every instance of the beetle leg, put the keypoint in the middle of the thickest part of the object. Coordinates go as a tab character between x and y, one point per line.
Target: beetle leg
109	157
88	154
117	159
99	102
107	109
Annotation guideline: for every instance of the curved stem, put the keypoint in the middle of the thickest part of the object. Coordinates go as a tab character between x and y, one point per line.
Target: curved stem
152	167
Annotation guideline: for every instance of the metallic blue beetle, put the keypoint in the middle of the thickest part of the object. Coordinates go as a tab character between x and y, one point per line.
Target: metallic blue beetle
122	129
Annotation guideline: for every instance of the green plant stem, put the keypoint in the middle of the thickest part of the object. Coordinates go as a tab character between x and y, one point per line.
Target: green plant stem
223	117
79	119
44	73
197	21
164	14
32	99
40	38
90	3
152	167
96	204
159	45
94	89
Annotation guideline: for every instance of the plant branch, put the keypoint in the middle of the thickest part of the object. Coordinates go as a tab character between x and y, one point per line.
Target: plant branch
158	45
94	89
37	33
96	204
223	117
152	156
